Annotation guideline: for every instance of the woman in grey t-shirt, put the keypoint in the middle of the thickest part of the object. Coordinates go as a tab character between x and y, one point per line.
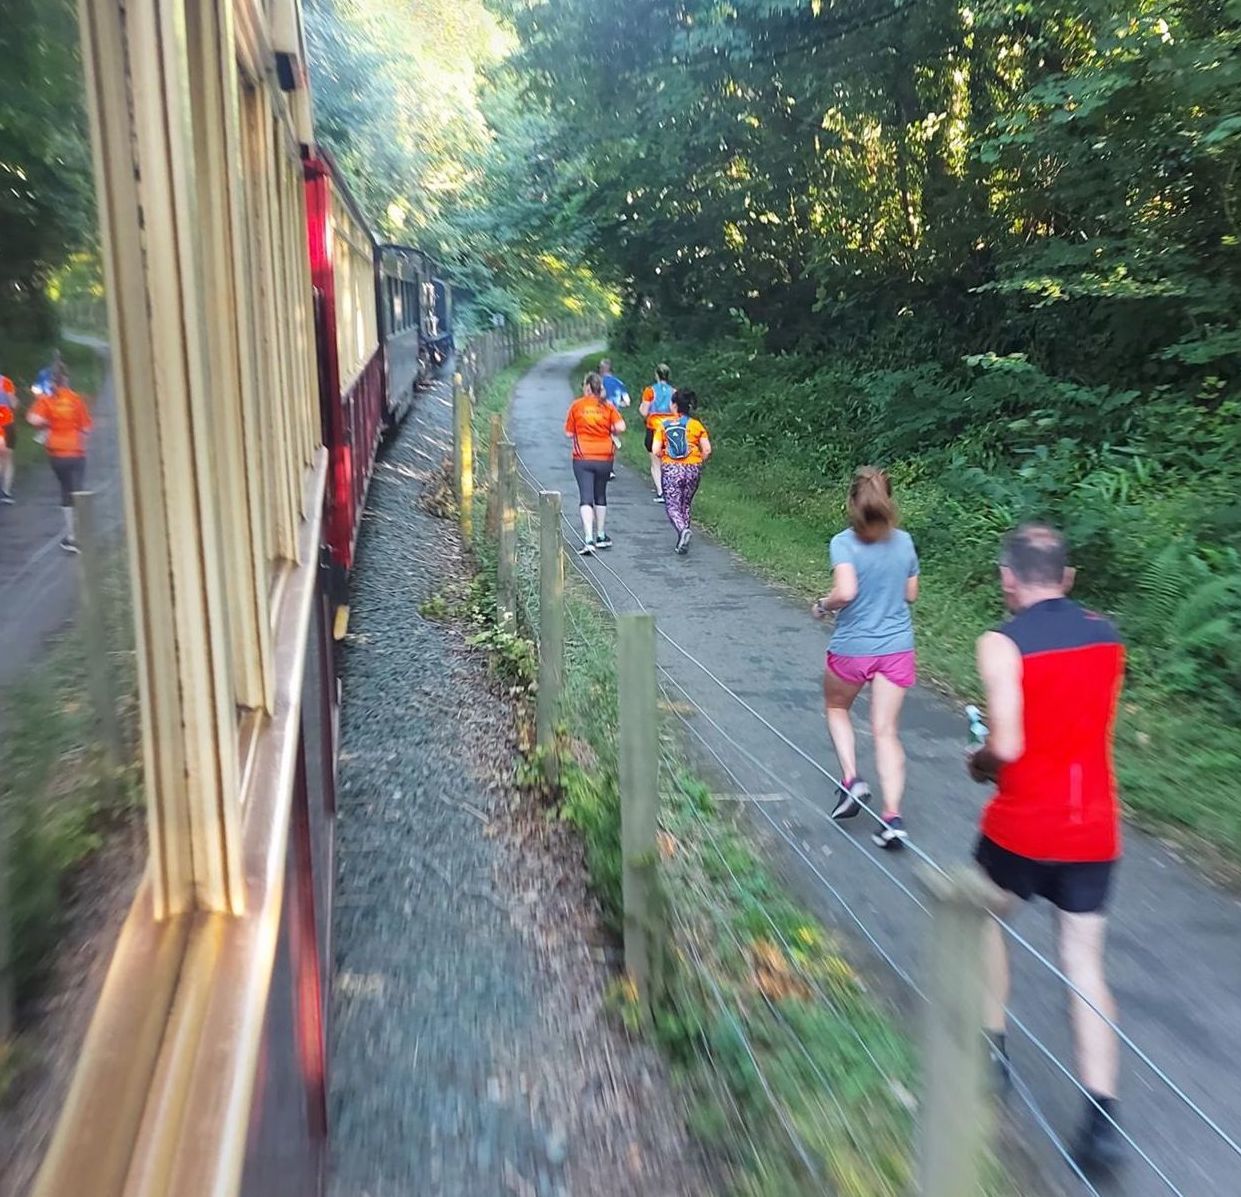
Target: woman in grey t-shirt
874	580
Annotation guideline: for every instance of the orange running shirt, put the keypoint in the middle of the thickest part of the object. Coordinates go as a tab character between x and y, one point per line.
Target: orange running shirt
6	413
590	423
695	430
67	422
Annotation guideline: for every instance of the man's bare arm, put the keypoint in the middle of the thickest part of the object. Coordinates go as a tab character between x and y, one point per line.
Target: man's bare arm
999	666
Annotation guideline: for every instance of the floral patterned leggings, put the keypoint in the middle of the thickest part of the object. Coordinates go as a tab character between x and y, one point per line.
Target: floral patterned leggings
680	484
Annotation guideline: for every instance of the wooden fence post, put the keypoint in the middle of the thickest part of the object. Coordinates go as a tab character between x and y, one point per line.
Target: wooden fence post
639	796
492	524
551	630
8	996
93	628
955	1113
463	455
506	562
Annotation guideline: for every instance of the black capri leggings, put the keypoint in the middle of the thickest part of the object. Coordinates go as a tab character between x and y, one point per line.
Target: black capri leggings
71	474
592	481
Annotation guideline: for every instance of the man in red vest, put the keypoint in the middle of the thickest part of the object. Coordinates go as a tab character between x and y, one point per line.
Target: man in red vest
1053	675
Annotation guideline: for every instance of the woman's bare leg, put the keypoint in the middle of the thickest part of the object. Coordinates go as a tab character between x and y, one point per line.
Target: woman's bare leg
886	699
838	699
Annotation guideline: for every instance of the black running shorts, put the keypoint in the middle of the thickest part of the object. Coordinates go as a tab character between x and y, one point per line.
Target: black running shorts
592	481
71	474
649	439
1076	887
10	435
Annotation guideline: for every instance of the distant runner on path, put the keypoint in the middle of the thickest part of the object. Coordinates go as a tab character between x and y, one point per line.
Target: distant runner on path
874	581
616	393
1053	675
8	436
63	415
656	406
591	425
682	446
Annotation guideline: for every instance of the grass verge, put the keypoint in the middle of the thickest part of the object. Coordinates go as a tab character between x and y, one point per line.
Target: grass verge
59	796
798	1078
1177	761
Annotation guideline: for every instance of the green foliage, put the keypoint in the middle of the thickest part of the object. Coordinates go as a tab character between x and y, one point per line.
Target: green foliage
445	152
46	193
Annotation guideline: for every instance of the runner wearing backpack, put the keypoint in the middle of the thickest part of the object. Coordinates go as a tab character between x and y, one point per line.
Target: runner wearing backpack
656	407
682	446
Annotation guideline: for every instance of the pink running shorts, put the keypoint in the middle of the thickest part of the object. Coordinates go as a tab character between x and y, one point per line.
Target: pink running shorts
901	669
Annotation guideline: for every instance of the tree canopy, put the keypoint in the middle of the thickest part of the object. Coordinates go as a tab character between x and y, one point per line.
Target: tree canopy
46	193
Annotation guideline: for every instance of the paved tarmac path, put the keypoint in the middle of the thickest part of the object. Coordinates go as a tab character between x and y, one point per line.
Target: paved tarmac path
1175	943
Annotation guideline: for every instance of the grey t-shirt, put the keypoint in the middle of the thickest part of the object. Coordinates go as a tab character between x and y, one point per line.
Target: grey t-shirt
878	620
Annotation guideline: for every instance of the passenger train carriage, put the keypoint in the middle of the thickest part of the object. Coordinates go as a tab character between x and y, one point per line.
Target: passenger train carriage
384	325
240	274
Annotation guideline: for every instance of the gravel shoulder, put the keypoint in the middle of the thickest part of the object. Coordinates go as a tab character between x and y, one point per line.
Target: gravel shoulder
472	1054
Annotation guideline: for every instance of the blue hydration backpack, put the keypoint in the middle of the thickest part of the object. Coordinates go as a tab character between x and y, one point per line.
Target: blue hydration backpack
676	438
661	404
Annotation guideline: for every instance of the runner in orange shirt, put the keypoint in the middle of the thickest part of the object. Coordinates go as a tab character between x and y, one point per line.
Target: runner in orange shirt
591	424
64	415
8	436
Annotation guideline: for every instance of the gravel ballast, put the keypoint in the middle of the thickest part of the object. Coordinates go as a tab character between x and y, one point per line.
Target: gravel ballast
472	1055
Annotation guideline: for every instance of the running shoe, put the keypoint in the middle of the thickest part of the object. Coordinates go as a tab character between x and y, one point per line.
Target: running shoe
69	544
892	834
1099	1146
7	499
683	540
851	798
603	542
658	499
587	549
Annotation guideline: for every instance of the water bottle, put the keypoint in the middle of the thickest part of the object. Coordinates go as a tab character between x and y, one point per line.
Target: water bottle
978	729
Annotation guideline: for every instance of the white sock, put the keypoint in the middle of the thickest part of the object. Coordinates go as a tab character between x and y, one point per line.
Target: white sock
601	515
588	523
67	512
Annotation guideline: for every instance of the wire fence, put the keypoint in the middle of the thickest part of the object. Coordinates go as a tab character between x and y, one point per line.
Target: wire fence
713	955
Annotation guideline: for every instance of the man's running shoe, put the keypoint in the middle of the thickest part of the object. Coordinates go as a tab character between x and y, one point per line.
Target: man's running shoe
6	498
892	834
69	544
603	542
683	540
1099	1146
587	549
851	798
658	499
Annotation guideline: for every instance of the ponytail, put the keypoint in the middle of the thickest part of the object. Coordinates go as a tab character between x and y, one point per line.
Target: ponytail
872	511
592	384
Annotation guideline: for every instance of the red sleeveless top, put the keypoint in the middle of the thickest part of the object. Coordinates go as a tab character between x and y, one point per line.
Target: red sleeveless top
1058	802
